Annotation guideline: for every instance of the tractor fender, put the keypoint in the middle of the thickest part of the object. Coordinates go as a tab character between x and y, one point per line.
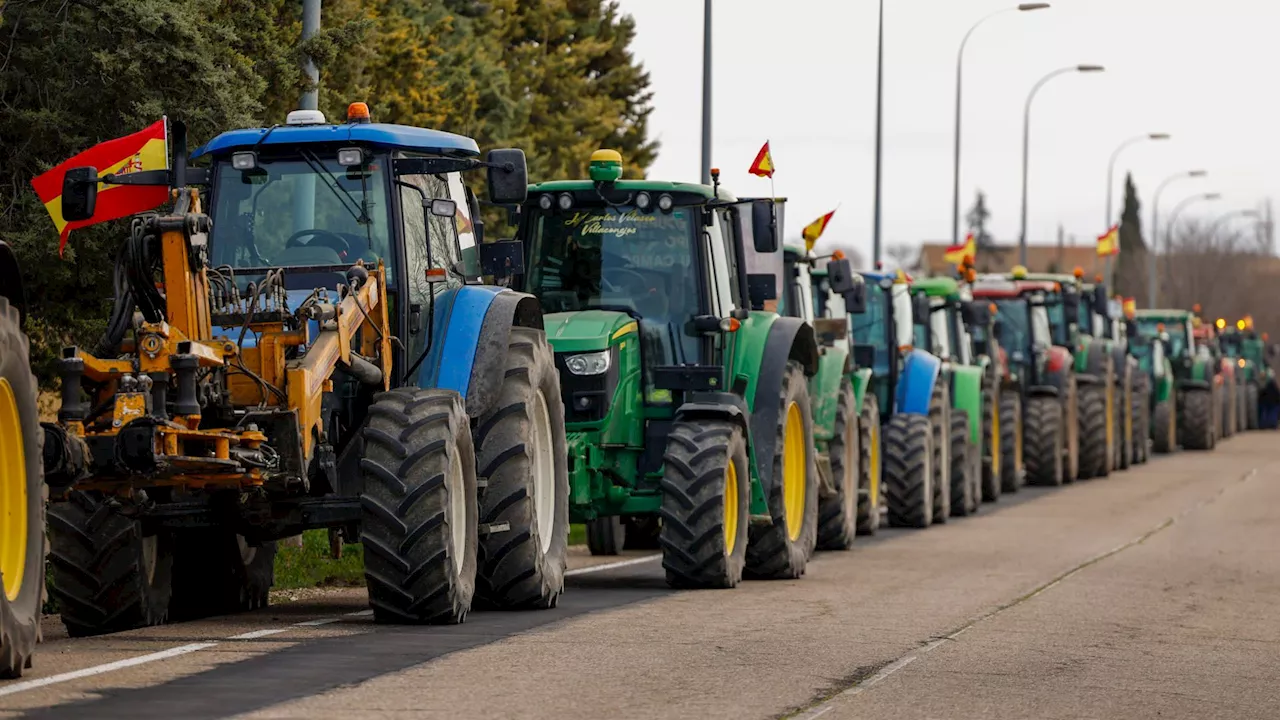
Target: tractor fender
1043	391
11	281
716	406
966	394
469	341
1096	353
915	384
861	383
1193	384
824	390
1088	379
788	339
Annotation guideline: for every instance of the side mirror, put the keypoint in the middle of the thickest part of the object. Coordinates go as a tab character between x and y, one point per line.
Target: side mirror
848	284
1131	330
764	228
441	208
997	326
761	288
975	314
1071	310
508	176
1100	299
864	356
79	193
831	330
502	259
920	309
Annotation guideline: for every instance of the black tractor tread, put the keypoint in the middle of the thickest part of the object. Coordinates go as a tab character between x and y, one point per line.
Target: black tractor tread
771	553
869	432
605	535
1012	476
908	470
99	575
20	618
1198	417
211	577
513	571
694	474
1141	423
1251	407
838	515
991	470
963	499
1094	461
1164	433
1125	417
940	415
1042	441
409	440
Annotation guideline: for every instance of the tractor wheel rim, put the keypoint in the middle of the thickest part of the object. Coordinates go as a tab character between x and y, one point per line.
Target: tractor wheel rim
13	494
730	507
457	510
873	467
793	472
544	472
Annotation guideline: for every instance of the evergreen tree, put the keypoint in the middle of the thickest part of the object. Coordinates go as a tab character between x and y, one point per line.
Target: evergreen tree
1130	265
977	219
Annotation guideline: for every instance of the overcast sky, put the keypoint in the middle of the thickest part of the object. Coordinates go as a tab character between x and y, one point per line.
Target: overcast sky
802	75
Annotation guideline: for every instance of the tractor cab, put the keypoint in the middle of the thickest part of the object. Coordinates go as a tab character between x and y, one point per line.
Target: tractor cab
884	335
1023	328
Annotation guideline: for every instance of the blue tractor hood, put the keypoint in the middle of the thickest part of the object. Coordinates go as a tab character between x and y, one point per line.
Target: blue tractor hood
380	135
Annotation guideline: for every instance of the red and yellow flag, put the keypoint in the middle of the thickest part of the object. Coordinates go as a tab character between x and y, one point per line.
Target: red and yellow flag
762	166
143	150
1109	242
813	230
1130	306
956	254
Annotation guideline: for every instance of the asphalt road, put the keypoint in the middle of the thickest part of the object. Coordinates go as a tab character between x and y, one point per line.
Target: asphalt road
1153	593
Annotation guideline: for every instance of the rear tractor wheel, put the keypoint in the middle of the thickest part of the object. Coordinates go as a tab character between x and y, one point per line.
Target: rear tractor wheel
1042	433
1095	423
706	497
419	507
991	446
1012	476
838	514
909	470
1199	420
869	474
781	549
964	486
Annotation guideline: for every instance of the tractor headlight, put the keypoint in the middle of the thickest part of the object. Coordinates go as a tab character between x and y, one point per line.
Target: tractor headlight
644	201
545	202
595	363
665	202
565	201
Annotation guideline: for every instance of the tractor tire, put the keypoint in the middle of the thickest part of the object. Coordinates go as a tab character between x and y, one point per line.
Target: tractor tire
1094	461
1251	407
1140	404
1042	433
965	487
909	474
1071	432
1164	429
606	535
838	515
1198	417
1126	420
940	415
419	514
1226	414
641	532
706	501
870	449
215	572
522	456
781	549
992	451
106	575
22	499
1012	476
1242	408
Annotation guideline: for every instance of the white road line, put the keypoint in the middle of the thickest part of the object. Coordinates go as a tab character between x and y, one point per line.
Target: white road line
612	565
258	633
100	669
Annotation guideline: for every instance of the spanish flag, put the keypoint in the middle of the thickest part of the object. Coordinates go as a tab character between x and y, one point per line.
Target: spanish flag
956	254
1130	306
143	150
813	230
1109	242
763	164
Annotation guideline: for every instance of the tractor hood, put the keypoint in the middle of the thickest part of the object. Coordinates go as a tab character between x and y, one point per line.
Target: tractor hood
586	330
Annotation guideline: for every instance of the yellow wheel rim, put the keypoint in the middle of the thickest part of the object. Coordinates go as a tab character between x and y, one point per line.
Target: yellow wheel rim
995	443
873	467
730	507
793	472
13	494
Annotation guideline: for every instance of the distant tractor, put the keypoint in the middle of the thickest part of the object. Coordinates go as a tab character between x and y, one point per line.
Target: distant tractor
1196	380
1150	344
1225	382
22	491
1244	345
912	397
686	394
303	341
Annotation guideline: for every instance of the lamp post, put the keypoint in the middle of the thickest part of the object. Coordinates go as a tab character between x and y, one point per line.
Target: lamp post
1111	174
875	224
1155	230
955	182
1026	145
706	92
1173	222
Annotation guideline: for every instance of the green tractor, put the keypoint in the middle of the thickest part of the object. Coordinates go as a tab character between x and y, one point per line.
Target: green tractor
1151	346
1196	382
845	473
1244	346
686	399
974	400
1002	468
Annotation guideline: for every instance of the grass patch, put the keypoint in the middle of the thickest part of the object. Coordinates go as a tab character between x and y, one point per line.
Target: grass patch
311	565
577	534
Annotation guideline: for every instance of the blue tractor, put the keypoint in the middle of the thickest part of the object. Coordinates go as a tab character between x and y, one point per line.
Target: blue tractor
906	387
313	347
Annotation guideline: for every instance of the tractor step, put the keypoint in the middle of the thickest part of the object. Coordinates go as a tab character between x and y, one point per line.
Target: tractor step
762	520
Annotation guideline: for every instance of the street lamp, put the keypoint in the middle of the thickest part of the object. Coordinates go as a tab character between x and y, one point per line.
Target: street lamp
1111	173
1173	222
1213	229
1155	230
1026	145
706	92
955	189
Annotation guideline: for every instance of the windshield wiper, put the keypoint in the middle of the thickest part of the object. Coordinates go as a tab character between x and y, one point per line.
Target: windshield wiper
360	214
